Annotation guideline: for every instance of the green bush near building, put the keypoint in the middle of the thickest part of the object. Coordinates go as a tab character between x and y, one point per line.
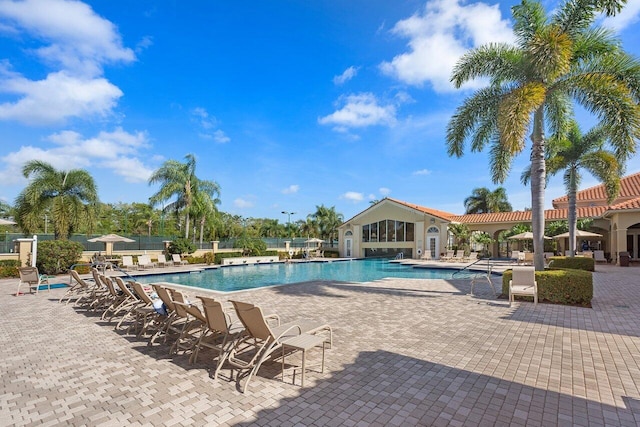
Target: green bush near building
57	256
559	286
9	268
574	263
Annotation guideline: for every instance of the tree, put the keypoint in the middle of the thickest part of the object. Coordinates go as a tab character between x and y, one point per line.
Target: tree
483	200
327	221
178	180
532	85
576	152
69	196
461	233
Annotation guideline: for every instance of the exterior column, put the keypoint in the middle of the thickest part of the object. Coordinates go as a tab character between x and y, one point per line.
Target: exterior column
23	247
621	245
214	246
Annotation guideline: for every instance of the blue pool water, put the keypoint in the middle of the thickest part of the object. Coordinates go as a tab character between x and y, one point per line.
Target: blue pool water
237	278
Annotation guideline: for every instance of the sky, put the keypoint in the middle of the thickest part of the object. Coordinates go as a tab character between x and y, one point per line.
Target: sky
287	105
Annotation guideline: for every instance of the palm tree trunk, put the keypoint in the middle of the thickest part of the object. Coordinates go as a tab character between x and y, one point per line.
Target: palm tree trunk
186	225
572	217
538	178
201	231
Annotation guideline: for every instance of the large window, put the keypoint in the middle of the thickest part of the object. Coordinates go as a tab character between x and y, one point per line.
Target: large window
388	231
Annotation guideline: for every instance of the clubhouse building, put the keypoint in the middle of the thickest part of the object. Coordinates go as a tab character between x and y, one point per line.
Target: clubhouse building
393	226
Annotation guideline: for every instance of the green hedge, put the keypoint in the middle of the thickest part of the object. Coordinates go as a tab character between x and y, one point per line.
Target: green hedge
9	268
220	256
56	256
573	263
569	287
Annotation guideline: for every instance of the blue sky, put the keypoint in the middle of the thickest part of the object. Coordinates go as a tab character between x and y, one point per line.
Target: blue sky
286	104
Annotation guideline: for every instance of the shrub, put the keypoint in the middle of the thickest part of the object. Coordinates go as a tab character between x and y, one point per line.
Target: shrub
83	269
219	256
181	246
9	268
331	253
209	258
569	287
574	263
57	256
250	246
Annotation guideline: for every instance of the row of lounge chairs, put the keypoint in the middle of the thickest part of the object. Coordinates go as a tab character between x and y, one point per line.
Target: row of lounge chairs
241	336
144	262
454	256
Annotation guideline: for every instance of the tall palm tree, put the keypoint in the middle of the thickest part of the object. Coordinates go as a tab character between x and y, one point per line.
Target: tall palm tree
327	221
576	152
555	61
204	207
178	180
483	200
461	233
71	197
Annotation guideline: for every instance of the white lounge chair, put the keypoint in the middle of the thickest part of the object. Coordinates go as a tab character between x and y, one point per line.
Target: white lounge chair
177	260
162	261
598	256
128	264
523	282
144	261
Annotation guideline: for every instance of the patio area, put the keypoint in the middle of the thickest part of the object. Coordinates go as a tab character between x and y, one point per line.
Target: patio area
406	352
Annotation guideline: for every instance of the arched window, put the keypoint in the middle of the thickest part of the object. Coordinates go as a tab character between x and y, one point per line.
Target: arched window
348	234
433	230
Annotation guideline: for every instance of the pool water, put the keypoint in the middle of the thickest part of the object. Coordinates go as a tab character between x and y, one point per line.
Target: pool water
235	278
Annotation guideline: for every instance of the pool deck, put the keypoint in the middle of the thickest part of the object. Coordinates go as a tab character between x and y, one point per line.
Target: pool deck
406	352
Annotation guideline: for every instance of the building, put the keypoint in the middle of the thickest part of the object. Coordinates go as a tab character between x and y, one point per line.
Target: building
393	226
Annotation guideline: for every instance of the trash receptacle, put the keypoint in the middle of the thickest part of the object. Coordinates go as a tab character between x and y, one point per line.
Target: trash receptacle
624	259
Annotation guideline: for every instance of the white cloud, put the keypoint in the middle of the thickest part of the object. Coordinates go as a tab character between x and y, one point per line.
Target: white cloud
439	36
627	16
292	189
117	151
353	196
70	37
144	43
242	203
347	75
56	98
360	110
422	172
208	125
78	39
384	191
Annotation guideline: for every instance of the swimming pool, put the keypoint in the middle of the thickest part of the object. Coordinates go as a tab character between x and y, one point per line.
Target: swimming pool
235	278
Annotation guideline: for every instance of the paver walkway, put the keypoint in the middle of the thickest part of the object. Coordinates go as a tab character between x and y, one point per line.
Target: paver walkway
406	352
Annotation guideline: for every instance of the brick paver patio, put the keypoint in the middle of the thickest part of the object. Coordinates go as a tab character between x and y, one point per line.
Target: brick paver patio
406	352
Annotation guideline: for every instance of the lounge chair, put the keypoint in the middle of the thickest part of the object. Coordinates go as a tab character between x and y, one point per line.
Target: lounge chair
177	260
145	314
260	342
426	256
162	261
144	261
29	276
523	282
78	291
127	263
193	324
598	256
448	256
459	256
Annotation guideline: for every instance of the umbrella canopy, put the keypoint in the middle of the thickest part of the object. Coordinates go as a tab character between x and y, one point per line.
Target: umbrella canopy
579	233
314	240
111	238
527	235
6	222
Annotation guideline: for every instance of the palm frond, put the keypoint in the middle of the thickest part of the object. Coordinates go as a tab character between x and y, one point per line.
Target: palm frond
493	60
514	114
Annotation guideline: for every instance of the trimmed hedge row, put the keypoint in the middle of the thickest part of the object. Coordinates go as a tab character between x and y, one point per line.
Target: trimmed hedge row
573	263
567	286
9	268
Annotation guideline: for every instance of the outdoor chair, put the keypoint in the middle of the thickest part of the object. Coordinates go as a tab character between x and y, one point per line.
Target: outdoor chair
524	283
261	342
145	315
162	261
177	260
79	291
459	257
128	264
598	256
448	256
192	326
29	276
144	261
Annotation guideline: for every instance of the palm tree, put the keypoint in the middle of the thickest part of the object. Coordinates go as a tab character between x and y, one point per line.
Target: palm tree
577	152
204	206
483	200
70	197
327	221
461	233
179	180
532	85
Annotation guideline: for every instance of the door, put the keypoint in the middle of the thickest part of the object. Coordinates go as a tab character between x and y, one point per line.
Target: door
347	248
432	247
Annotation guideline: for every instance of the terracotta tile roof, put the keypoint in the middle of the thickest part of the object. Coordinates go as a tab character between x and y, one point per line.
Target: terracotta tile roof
525	216
434	212
629	204
629	187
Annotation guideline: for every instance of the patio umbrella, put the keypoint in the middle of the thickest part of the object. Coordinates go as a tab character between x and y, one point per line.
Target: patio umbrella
6	222
109	240
579	233
527	235
314	240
